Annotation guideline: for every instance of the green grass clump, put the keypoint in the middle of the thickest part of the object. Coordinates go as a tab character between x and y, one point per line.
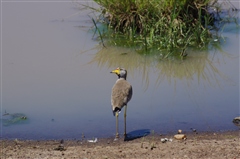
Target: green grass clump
157	24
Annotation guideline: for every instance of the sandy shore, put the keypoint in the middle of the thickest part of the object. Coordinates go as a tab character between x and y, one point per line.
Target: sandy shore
202	145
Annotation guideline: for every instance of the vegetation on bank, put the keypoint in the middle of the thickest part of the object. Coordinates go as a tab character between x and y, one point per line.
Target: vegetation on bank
168	26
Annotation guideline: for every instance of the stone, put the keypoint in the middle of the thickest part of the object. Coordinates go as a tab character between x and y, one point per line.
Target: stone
236	121
180	136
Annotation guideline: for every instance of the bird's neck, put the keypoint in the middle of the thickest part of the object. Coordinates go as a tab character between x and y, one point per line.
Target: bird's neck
121	77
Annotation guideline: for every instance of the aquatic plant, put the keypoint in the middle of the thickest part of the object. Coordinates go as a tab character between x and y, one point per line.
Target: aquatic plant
11	119
168	26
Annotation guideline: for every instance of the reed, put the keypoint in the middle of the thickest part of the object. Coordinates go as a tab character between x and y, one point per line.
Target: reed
99	32
169	26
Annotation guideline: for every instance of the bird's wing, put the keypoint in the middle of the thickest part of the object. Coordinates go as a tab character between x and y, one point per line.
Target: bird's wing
121	93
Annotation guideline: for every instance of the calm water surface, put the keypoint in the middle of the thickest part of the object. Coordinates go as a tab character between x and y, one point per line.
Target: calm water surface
55	73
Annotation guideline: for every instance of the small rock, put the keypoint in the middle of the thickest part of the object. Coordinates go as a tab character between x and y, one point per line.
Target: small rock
163	140
194	130
179	131
236	121
93	141
180	136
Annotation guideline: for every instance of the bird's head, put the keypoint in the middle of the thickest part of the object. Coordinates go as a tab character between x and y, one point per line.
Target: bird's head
120	72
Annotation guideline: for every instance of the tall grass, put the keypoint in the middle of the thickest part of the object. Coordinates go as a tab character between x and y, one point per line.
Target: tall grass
169	25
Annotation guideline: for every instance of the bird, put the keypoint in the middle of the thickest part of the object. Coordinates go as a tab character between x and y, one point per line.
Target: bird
121	94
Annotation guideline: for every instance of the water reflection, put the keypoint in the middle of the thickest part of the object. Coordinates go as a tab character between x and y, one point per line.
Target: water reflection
197	63
192	93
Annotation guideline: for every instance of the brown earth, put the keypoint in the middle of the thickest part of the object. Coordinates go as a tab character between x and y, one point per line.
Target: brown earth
202	145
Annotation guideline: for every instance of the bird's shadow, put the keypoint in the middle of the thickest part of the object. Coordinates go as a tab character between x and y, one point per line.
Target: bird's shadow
136	134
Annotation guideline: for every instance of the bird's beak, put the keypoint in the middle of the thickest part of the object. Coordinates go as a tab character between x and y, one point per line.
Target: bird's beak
117	71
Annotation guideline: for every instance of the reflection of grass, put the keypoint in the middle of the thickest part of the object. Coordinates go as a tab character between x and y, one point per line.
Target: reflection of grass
197	65
194	65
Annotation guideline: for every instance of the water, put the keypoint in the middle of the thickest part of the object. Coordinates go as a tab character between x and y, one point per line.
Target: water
56	73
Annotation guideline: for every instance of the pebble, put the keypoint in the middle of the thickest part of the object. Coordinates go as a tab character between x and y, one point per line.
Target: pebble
180	136
236	121
163	140
93	141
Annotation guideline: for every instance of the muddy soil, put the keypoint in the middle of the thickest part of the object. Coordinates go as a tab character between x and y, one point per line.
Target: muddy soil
209	145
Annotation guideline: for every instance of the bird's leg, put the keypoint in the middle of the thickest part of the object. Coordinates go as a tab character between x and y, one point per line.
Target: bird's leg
117	135
125	121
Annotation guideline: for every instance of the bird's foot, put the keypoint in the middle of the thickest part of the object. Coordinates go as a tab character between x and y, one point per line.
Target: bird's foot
125	137
116	137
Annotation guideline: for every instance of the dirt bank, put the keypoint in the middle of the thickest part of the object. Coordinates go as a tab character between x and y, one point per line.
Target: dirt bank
202	145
